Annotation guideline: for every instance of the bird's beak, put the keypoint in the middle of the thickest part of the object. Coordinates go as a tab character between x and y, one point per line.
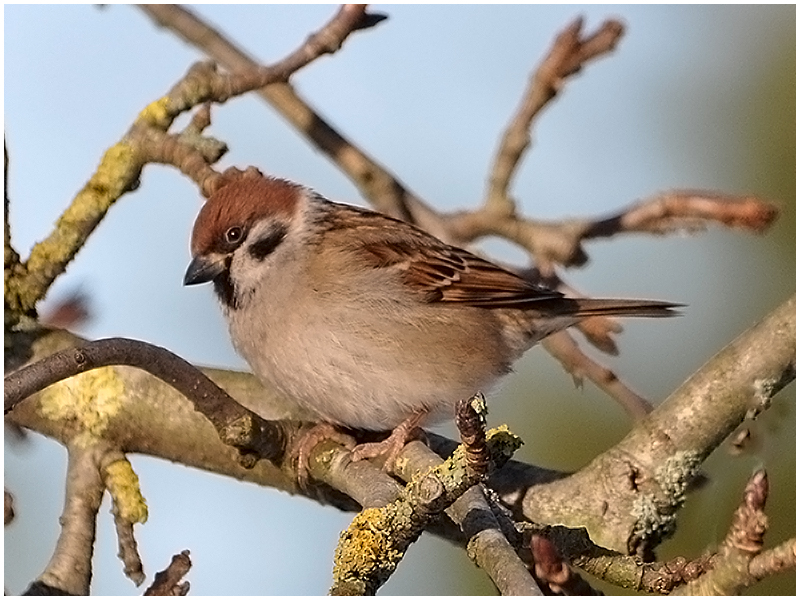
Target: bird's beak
203	269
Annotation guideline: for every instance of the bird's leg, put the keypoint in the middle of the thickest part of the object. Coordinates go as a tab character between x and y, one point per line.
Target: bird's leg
389	448
303	447
392	445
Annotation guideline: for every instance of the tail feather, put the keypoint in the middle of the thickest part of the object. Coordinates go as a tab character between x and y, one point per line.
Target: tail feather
595	307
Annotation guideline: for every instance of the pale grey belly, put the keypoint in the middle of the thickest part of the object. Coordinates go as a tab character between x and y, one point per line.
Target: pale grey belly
373	372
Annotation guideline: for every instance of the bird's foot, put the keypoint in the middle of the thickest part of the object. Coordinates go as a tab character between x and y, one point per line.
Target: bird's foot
317	434
391	447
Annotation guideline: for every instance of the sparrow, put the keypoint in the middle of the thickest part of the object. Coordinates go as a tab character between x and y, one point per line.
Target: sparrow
366	321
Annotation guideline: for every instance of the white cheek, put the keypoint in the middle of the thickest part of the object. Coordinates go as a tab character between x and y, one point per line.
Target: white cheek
266	280
247	272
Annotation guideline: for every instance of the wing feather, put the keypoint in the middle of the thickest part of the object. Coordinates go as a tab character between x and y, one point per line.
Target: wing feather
437	271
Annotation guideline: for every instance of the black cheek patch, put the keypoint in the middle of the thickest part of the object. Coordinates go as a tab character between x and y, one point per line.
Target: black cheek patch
265	246
224	288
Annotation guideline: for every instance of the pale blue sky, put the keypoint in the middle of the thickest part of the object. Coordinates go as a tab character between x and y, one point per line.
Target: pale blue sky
427	93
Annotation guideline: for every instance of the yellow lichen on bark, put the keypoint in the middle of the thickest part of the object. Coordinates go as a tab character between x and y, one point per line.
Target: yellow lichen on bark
90	399
123	485
157	114
118	171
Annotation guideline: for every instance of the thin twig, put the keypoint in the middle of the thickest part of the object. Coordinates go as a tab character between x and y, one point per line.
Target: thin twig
556	574
9	507
566	351
128	507
121	166
69	312
471	424
204	83
10	256
686	210
569	52
732	569
379	186
192	155
168	582
128	551
779	559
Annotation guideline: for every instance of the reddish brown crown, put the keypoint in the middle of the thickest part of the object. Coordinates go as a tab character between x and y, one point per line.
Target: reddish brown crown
241	199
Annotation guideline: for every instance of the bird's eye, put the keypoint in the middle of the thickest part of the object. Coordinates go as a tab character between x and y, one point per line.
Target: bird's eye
233	235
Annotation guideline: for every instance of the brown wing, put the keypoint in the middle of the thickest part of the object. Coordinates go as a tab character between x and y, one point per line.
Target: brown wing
443	273
440	272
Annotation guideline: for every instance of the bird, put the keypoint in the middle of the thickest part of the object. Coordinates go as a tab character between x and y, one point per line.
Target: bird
365	321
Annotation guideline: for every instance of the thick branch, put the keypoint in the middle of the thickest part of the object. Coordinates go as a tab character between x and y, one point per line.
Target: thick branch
70	568
236	425
627	497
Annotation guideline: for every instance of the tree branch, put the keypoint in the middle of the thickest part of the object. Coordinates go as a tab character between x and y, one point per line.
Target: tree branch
489	546
568	54
121	165
687	210
779	559
128	507
370	549
491	540
10	256
637	486
657	479
548	243
168	582
565	350
237	426
70	567
382	188
554	572
172	426
731	571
